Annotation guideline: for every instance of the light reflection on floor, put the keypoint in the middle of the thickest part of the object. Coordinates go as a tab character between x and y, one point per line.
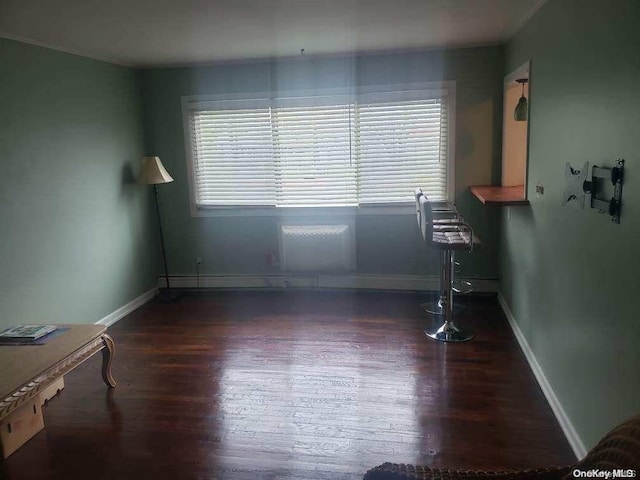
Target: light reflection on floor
316	400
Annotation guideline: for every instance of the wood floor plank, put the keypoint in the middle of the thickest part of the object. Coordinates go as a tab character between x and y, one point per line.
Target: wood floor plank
295	385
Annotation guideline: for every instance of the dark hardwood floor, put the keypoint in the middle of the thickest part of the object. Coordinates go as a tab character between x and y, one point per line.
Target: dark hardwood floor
294	385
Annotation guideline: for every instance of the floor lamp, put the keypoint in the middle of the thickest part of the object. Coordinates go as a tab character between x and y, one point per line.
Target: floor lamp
152	172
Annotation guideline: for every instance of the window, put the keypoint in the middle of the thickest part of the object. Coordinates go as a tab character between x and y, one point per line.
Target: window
320	151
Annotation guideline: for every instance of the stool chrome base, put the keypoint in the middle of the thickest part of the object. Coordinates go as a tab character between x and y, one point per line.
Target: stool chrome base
437	308
448	332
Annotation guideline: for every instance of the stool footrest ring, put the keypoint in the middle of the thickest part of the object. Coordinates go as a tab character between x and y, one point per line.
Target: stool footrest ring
437	308
461	286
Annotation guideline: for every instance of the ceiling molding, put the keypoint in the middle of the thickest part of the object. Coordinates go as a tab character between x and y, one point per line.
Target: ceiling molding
526	18
70	51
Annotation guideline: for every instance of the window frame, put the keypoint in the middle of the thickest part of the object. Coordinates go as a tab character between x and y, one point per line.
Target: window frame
399	208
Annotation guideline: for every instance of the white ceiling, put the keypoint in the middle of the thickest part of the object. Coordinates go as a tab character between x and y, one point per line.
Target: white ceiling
178	32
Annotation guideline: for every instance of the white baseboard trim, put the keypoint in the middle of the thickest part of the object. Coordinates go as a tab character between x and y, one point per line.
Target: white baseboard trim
129	307
347	281
570	433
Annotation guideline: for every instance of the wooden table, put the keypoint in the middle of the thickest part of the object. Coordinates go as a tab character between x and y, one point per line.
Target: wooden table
27	370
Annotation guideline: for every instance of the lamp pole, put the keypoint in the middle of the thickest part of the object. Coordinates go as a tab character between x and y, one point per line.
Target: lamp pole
152	172
164	253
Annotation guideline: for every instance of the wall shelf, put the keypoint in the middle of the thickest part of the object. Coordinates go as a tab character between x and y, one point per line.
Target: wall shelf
502	196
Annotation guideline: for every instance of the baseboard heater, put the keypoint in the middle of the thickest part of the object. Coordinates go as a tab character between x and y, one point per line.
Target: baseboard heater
317	248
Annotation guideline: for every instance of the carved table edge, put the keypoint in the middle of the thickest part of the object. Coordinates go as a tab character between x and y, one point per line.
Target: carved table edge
34	386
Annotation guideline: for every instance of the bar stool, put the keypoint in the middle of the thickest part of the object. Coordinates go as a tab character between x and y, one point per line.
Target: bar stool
446	215
447	238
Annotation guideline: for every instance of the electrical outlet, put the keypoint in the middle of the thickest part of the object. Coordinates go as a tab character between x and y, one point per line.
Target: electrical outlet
271	259
198	260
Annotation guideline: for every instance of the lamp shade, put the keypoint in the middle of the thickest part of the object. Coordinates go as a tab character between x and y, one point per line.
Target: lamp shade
152	172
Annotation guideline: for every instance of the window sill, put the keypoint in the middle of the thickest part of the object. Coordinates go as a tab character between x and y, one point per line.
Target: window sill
294	212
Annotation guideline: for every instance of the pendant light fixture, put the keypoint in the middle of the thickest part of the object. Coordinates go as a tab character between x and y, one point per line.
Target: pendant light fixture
521	112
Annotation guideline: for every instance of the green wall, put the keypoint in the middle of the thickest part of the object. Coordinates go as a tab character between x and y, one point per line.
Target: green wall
386	244
570	276
75	230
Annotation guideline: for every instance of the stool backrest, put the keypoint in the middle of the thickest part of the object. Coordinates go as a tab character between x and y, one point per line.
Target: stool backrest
426	218
418	194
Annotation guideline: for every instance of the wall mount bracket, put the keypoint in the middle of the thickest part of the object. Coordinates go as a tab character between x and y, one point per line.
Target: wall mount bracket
578	187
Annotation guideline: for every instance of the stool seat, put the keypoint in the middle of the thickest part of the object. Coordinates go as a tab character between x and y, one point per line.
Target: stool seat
444	234
448	240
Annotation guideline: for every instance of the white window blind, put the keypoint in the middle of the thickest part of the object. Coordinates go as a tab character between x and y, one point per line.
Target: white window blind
233	158
320	151
313	158
401	145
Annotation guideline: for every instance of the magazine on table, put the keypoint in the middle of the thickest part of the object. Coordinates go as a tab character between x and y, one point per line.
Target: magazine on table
26	333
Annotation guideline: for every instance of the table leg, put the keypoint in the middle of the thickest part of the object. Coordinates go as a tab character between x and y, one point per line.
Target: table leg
107	357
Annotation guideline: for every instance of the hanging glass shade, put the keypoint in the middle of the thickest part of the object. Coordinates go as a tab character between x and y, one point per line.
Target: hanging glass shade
521	113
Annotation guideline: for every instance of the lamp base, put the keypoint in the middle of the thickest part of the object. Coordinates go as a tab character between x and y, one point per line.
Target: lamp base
167	295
